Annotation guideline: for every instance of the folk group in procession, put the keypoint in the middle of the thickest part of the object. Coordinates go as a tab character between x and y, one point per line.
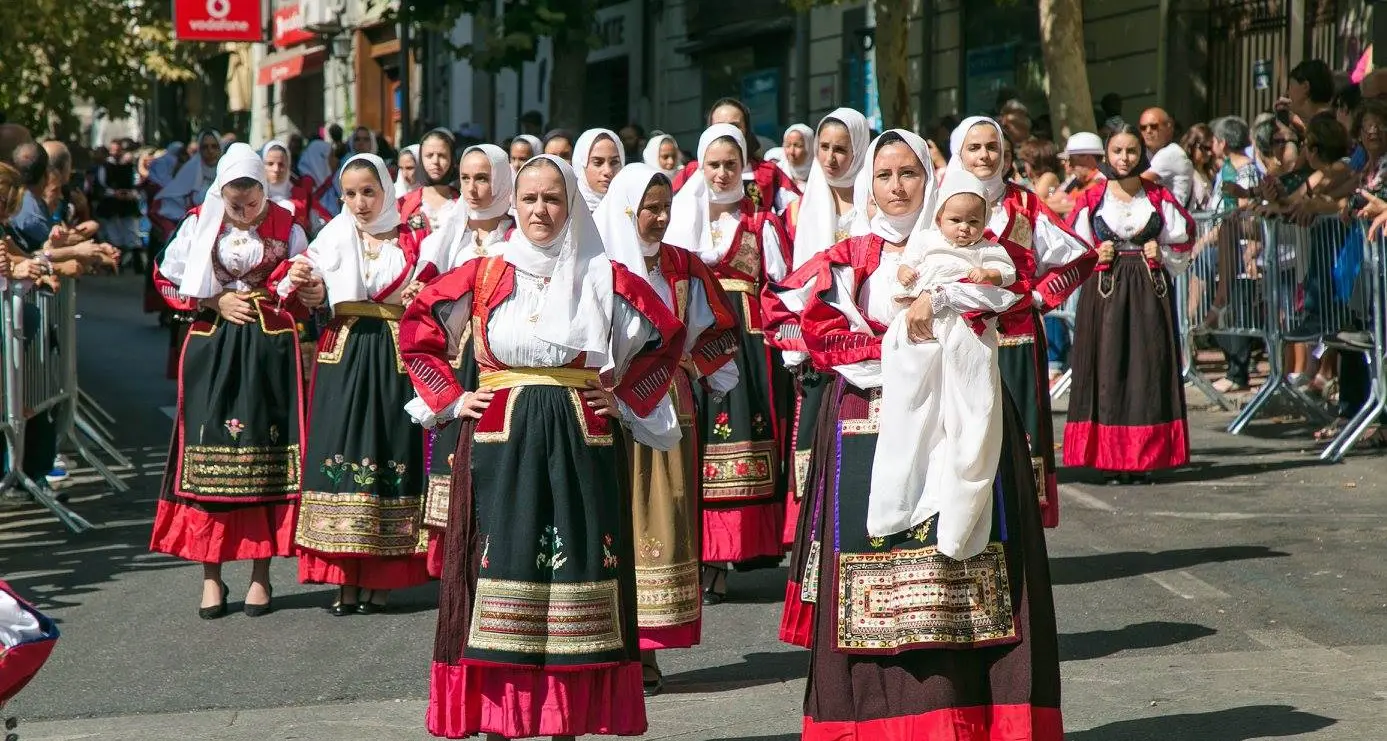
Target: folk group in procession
582	392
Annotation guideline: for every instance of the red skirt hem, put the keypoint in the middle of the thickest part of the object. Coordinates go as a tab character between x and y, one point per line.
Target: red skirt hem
434	558
977	723
743	533
796	619
1050	509
1124	448
246	533
520	702
367	572
792	505
673	636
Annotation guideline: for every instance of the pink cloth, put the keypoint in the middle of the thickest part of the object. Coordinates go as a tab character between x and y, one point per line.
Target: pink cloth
367	572
676	636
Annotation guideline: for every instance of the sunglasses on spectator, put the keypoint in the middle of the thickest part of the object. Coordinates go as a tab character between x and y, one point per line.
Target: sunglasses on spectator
1150	126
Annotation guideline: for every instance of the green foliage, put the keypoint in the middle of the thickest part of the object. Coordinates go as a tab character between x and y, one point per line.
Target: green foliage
58	54
510	40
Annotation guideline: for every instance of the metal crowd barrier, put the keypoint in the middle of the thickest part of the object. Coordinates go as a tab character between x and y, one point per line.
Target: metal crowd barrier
40	377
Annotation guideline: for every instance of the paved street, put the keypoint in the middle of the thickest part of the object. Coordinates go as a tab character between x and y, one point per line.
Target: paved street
1240	599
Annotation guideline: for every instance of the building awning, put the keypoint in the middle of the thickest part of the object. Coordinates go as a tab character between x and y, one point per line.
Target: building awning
290	63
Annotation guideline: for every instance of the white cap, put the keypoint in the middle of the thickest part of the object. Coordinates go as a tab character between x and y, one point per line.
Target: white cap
1083	143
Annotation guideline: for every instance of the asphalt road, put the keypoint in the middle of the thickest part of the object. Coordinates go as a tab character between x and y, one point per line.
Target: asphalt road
1239	599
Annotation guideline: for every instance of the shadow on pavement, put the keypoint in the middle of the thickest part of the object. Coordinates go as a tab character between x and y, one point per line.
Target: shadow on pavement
1105	566
1208	465
1096	644
756	669
423	598
1235	724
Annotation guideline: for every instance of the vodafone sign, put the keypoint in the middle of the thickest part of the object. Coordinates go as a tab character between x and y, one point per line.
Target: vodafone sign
218	20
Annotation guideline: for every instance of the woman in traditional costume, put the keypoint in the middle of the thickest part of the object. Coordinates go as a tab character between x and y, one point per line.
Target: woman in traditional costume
486	182
740	431
537	628
175	200
315	172
364	477
233	473
427	209
598	157
559	143
523	148
832	215
662	154
407	177
767	186
1055	261
289	191
1127	404
797	144
632	221
968	649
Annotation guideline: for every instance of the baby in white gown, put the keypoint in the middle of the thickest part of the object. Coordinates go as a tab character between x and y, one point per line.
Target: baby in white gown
941	398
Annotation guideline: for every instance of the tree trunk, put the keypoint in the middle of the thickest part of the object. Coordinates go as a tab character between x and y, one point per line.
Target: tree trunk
566	81
1062	42
893	63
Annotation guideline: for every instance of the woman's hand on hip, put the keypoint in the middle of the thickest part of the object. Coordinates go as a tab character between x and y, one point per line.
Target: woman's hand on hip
601	401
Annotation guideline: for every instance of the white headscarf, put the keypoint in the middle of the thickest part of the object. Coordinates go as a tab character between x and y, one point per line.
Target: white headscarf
581	150
576	308
161	170
441	247
651	154
199	279
997	184
688	217
817	228
337	248
799	172
375	144
314	161
401	187
187	185
616	218
283	191
895	229
536	146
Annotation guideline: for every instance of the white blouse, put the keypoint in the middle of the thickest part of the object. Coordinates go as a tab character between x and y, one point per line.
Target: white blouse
1053	247
438	217
1128	218
715	241
238	250
700	318
378	274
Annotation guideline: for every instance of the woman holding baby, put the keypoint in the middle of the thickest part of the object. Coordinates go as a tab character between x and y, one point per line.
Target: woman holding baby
914	353
234	468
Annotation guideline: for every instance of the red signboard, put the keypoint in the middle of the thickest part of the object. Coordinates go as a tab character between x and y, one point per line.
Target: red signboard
289	26
218	20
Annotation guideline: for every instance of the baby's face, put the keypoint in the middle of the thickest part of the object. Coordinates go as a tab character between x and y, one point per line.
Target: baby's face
962	218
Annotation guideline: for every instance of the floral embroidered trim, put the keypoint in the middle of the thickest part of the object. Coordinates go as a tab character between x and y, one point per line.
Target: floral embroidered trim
558	618
364	474
609	559
550	554
667	596
234	428
358	523
240	471
721	428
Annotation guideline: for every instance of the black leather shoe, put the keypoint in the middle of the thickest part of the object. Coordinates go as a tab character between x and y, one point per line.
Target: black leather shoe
341	608
256	611
654	686
215	611
711	594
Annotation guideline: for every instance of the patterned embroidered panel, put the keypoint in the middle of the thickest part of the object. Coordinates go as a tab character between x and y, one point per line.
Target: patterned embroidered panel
809	581
1038	465
1013	340
901	599
334	341
802	459
866	425
667	595
597	431
747	257
739	470
358	523
547	619
232	471
436	501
